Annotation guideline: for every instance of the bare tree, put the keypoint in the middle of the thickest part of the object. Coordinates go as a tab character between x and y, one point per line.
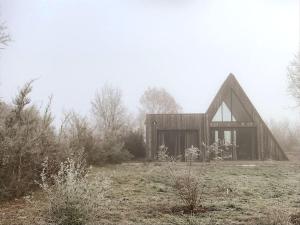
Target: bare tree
287	133
109	111
76	136
4	36
294	78
112	121
158	100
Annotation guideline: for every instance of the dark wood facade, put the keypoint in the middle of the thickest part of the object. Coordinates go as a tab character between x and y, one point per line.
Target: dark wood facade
231	116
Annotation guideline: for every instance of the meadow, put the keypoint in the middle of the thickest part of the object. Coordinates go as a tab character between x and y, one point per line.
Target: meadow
141	193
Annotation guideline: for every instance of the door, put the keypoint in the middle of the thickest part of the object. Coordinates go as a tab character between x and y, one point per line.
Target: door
246	144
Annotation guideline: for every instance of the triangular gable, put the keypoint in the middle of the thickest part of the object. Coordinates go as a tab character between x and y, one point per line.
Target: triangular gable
231	109
231	83
239	98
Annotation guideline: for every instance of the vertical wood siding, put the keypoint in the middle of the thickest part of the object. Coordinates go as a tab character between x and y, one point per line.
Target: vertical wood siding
156	122
267	145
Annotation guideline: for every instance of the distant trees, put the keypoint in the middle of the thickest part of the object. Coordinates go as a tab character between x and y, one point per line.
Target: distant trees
286	133
158	100
294	78
4	36
111	118
109	111
76	137
289	135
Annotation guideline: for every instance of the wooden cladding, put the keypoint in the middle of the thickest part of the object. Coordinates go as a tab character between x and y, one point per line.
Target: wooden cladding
183	129
232	124
263	144
175	121
178	140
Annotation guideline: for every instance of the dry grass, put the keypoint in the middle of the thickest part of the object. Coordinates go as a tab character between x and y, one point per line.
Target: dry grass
141	194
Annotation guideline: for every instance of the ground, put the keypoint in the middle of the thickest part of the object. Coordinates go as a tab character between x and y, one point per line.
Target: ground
234	193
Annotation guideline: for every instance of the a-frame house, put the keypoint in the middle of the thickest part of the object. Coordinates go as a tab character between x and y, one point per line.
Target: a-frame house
231	117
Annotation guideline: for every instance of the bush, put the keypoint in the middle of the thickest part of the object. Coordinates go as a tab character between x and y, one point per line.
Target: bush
77	137
26	137
188	187
73	198
162	154
191	154
111	150
187	184
220	151
134	143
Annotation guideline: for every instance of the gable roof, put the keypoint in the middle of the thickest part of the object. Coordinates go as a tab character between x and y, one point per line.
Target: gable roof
231	83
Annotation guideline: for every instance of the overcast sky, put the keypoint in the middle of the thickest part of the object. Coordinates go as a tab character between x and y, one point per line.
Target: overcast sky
186	46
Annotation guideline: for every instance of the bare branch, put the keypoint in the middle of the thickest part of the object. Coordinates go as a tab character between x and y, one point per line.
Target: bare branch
4	36
109	111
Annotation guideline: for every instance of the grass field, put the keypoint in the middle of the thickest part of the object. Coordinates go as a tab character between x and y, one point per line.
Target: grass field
234	193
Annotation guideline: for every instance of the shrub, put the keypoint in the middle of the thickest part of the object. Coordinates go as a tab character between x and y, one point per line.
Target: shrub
188	188
73	198
187	184
111	150
191	154
26	137
162	154
77	137
220	151
134	143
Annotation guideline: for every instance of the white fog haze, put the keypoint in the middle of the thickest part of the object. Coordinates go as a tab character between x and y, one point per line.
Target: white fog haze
189	47
139	112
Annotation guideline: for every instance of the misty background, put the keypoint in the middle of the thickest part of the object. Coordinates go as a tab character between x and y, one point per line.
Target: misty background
188	47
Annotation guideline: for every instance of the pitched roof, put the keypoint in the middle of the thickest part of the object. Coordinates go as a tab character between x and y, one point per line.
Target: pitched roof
231	83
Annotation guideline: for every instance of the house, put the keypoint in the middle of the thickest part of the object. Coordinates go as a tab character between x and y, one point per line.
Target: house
231	117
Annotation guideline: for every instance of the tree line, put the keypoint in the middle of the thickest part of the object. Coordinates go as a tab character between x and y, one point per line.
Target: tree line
28	135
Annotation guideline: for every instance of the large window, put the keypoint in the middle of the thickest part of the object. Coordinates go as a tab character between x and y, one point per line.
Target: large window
224	136
231	109
223	114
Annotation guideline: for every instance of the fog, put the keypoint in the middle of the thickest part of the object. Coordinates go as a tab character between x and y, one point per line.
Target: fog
189	47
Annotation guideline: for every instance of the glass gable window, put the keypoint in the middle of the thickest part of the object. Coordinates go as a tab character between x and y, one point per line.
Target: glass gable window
223	114
231	110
